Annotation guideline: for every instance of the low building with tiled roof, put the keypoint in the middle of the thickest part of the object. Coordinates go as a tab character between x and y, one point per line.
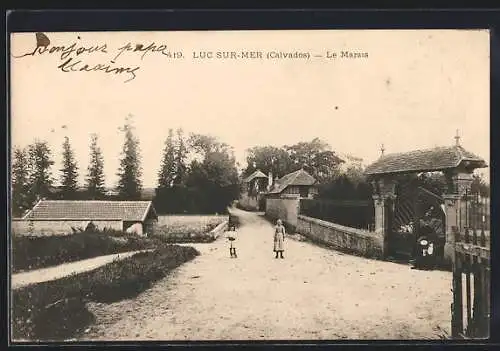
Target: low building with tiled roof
298	183
66	216
427	160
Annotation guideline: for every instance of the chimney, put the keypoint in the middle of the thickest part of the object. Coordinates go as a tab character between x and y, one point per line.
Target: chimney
269	180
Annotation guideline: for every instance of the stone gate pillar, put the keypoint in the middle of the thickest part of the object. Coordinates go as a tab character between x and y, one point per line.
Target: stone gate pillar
384	194
455	209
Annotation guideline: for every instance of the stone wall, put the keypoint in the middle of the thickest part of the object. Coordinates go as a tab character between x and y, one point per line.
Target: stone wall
220	229
58	227
352	240
286	209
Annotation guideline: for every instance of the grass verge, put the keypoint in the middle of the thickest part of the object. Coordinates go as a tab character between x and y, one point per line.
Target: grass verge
186	232
33	252
56	310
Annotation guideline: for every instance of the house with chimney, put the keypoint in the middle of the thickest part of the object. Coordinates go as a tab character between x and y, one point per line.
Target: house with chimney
298	184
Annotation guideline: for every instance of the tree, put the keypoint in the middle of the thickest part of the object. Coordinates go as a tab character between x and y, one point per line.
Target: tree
95	171
354	169
130	172
215	177
269	159
20	183
180	159
432	181
40	162
316	158
479	185
204	144
167	172
69	176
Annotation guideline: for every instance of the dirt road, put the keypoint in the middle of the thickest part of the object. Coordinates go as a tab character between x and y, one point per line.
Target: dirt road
314	293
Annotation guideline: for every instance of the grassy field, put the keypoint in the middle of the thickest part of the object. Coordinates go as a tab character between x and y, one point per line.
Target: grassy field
34	252
56	310
44	251
187	228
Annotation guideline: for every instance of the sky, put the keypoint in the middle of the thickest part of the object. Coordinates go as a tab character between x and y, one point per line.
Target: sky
414	90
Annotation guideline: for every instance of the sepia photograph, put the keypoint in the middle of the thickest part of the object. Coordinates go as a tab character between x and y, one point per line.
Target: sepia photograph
249	185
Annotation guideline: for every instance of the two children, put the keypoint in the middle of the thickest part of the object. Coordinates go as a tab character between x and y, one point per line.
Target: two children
279	239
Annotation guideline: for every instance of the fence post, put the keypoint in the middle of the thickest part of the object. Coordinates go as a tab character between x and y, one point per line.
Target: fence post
457	306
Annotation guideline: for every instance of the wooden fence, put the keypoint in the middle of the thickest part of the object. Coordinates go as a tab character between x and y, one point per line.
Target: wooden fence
358	214
471	277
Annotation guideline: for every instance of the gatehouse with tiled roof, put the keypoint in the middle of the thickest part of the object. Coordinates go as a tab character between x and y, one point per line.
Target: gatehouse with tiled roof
390	196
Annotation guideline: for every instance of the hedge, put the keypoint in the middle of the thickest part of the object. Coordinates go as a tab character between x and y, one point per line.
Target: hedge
55	310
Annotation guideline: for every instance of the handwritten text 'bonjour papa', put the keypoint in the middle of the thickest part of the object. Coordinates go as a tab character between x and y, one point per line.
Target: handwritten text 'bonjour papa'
71	56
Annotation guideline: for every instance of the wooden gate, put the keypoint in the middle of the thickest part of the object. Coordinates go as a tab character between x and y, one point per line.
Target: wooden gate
403	214
409	207
471	273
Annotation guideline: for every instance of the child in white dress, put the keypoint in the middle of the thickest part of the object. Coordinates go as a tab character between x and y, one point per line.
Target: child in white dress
231	236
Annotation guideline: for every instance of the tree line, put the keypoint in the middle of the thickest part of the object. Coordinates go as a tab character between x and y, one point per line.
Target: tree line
206	184
198	173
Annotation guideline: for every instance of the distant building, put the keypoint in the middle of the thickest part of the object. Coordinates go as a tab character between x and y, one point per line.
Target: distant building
253	190
296	184
111	192
148	194
63	216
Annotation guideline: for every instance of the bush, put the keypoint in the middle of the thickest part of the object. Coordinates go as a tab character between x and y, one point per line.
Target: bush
194	199
32	252
184	238
56	310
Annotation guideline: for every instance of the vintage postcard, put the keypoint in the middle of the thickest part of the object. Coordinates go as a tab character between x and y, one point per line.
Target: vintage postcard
250	185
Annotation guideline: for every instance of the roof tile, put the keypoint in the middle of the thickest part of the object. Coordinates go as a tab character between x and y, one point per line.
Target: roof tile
436	159
256	174
299	177
68	209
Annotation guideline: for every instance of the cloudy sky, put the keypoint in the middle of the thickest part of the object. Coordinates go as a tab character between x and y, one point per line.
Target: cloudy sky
414	90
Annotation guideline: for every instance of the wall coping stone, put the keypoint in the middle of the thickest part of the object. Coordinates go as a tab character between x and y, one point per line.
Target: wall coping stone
221	227
349	230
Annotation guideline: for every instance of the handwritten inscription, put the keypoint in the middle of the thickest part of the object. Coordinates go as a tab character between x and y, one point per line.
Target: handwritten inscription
72	60
76	56
151	48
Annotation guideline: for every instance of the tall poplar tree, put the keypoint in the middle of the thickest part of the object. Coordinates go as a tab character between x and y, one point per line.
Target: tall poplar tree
69	176
180	159
20	183
167	172
95	171
40	162
130	172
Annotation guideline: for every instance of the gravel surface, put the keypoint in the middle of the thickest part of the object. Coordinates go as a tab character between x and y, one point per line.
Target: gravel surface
313	293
